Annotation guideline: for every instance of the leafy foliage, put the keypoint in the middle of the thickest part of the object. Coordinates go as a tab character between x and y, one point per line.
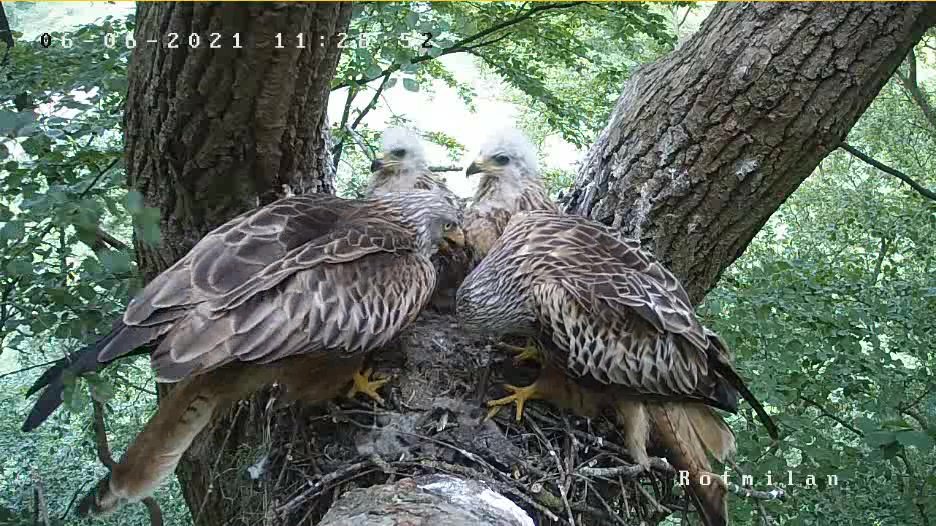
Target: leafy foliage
830	310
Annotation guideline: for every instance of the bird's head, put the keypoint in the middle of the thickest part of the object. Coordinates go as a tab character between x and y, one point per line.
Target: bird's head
437	220
402	152
508	156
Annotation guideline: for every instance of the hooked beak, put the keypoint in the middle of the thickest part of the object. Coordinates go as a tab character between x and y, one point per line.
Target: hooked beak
453	239
474	168
376	165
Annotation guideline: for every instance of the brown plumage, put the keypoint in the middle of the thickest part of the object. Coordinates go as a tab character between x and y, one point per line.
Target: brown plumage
609	317
510	183
296	292
402	167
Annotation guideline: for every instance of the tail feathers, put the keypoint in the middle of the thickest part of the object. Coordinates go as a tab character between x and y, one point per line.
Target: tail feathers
689	432
82	362
710	430
738	383
711	499
721	359
53	380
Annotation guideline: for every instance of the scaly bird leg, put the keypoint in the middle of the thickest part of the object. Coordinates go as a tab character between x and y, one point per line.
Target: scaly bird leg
363	384
528	352
520	396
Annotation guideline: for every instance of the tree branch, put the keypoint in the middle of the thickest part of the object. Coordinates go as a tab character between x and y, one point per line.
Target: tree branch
365	148
439	168
909	82
372	103
826	413
922	190
345	113
461	45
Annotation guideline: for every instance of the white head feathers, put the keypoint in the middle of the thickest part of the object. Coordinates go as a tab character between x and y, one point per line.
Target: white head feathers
515	145
396	139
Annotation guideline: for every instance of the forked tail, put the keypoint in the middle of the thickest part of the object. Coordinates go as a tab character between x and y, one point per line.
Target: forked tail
690	432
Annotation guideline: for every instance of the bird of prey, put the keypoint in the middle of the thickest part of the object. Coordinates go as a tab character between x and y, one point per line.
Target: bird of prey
617	330
510	183
296	293
402	167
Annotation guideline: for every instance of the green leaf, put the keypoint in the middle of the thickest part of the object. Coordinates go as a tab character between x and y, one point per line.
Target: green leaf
19	267
114	262
917	439
12	231
76	398
102	390
411	84
373	71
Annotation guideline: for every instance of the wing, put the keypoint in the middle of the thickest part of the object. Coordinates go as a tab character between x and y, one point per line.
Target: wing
486	221
350	306
223	261
619	316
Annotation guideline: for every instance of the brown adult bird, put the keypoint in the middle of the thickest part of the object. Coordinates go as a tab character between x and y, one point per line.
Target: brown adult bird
402	167
297	293
617	330
510	183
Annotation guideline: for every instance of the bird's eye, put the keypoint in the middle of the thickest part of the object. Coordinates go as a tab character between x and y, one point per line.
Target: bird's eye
501	160
447	226
399	152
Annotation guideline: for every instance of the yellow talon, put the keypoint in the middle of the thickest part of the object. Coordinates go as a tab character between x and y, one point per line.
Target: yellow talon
364	385
528	352
520	396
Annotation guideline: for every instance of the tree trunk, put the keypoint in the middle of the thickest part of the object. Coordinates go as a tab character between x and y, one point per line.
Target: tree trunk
705	144
211	133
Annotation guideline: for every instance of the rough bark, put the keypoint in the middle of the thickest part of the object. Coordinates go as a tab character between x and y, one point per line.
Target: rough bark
705	144
211	133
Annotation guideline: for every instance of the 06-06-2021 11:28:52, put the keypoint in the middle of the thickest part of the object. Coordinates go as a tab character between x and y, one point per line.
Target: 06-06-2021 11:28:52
237	41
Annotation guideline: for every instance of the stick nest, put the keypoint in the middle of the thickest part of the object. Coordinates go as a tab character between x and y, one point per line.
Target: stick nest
558	467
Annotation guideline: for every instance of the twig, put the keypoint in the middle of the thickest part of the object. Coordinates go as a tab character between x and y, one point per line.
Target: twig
42	510
73	499
102	238
327	479
825	412
627	472
214	467
607	507
750	493
909	82
922	190
440	168
462	45
106	458
365	148
24	369
100	435
562	475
